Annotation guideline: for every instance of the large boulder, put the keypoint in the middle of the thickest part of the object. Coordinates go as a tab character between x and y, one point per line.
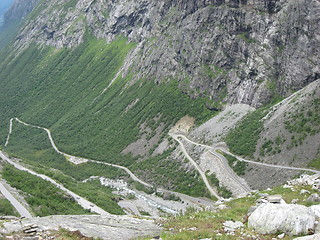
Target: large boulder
316	210
287	218
312	237
314	198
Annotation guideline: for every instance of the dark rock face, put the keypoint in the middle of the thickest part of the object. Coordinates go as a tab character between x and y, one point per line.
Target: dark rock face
236	51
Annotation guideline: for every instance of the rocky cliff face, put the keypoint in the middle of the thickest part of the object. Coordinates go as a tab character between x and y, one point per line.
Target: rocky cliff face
236	51
19	9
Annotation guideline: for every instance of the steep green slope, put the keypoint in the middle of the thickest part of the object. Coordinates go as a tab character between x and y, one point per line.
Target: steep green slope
67	91
43	197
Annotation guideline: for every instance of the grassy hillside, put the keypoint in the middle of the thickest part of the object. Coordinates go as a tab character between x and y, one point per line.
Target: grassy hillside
63	91
6	209
43	197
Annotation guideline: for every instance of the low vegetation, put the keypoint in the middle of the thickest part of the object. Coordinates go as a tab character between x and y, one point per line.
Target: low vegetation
195	224
6	209
315	163
222	190
238	167
303	123
206	224
43	197
288	194
242	140
270	147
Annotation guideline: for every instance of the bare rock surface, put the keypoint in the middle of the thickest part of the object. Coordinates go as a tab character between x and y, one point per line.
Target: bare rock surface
312	237
231	51
104	227
286	218
217	127
316	210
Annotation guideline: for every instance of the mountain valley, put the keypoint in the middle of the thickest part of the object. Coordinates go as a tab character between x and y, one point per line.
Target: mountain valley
163	111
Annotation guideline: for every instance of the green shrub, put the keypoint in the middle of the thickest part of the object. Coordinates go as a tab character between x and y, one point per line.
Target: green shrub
6	209
242	140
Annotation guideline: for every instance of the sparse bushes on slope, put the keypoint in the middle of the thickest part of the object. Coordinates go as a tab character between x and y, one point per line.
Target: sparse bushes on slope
237	166
242	140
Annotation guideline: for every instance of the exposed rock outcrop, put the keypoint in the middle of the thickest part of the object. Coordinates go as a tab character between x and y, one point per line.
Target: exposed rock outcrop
312	237
233	51
104	227
287	218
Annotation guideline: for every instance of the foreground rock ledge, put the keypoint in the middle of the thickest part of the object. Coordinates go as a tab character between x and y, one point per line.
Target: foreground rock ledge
287	218
105	227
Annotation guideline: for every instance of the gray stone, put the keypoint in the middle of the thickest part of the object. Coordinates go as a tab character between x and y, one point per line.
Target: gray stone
287	218
314	198
230	226
263	195
274	198
105	227
316	210
303	191
311	237
251	210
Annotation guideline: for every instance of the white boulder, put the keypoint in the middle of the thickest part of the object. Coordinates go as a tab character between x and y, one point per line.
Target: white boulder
316	210
291	219
311	237
230	226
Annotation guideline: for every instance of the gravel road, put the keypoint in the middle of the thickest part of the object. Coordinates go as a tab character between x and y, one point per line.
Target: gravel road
15	203
80	200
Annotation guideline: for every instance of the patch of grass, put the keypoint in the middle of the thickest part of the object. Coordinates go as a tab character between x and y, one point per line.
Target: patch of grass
144	213
288	195
71	235
246	37
315	163
6	209
208	224
205	224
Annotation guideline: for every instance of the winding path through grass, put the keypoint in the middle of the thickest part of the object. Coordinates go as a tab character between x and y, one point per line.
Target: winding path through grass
194	200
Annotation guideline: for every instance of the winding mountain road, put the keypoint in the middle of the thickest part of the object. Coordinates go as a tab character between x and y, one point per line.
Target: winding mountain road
231	174
245	160
14	202
268	165
234	182
238	186
194	200
202	174
80	200
68	156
